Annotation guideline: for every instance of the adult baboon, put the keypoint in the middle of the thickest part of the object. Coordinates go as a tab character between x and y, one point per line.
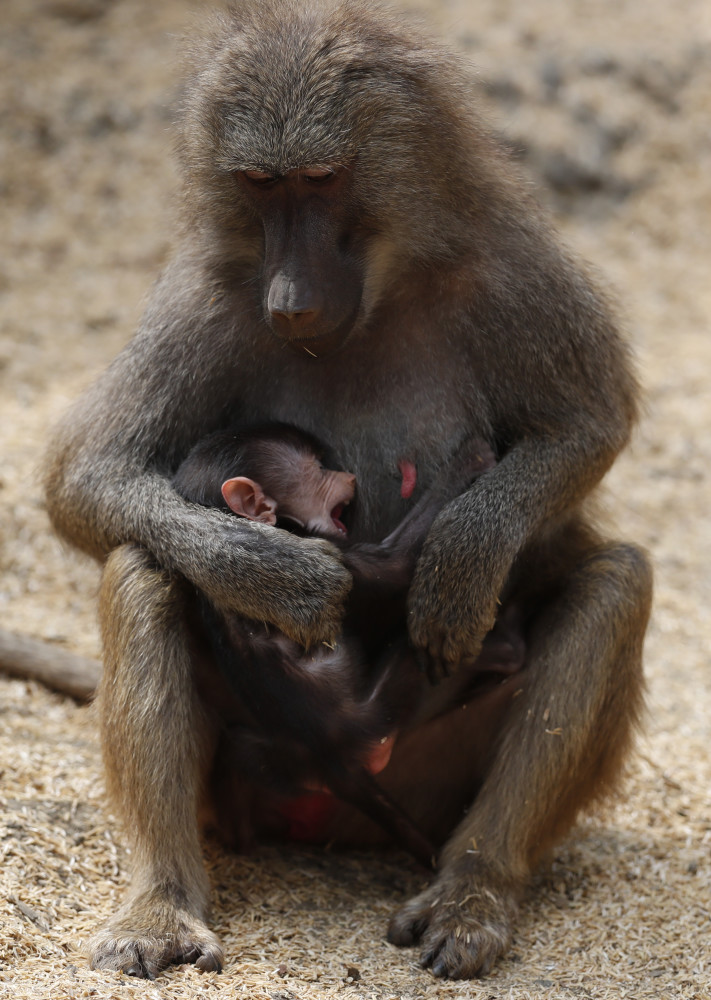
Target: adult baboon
358	258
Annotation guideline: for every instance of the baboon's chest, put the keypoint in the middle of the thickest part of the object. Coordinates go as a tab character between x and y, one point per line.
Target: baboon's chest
378	423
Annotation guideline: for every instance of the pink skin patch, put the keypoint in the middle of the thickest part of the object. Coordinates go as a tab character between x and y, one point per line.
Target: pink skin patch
408	471
308	815
379	756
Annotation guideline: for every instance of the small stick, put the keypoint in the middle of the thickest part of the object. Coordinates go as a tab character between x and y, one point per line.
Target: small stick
32	659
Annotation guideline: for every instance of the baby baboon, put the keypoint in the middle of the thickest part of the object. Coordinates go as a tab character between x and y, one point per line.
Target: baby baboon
324	718
321	718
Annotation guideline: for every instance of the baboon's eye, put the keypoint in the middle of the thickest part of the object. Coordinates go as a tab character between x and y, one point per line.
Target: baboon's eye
258	177
316	175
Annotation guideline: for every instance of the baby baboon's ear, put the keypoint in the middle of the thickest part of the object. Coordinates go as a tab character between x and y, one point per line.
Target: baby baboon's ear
245	497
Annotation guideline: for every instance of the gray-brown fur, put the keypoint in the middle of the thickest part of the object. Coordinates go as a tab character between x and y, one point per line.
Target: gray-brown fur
471	321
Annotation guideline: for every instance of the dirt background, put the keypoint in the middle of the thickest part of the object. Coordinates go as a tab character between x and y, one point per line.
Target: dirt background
608	105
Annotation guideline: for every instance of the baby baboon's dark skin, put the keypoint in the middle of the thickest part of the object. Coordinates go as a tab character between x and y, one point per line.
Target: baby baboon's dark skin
326	717
308	719
358	257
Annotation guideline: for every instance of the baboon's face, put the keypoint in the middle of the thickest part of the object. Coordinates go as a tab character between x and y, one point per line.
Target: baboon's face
323	165
308	492
312	280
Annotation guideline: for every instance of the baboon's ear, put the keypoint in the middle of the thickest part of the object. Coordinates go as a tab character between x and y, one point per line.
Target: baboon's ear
246	498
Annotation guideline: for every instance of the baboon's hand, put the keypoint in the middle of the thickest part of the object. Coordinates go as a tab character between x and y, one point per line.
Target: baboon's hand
312	613
452	602
297	584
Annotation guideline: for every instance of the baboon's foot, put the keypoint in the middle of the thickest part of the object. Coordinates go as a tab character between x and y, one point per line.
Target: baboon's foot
462	925
138	948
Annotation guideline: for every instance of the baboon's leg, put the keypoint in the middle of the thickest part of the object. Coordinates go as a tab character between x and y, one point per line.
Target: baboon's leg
154	748
562	745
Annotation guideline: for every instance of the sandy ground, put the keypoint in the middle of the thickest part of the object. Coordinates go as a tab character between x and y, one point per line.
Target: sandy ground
608	105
